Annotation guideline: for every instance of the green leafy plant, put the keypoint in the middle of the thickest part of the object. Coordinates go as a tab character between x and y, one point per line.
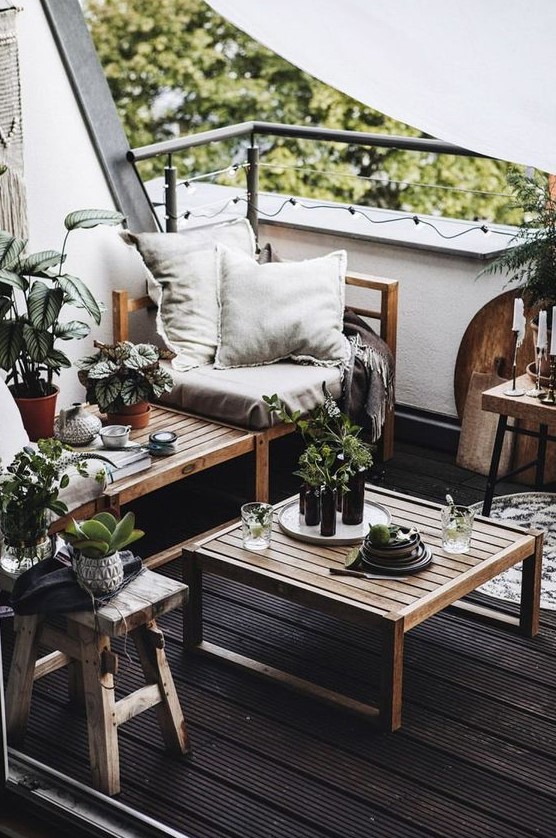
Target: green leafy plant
124	374
530	258
34	291
30	486
334	450
102	535
319	466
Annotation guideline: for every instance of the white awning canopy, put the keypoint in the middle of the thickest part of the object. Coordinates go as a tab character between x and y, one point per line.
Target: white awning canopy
477	74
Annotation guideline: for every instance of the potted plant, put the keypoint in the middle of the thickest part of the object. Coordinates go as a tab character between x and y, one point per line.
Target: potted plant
530	257
336	458
34	292
123	378
96	545
323	474
29	494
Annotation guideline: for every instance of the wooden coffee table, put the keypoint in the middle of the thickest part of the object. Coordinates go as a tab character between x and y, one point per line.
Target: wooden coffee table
299	572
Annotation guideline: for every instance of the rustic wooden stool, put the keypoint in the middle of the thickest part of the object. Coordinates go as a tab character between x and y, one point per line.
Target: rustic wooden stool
85	648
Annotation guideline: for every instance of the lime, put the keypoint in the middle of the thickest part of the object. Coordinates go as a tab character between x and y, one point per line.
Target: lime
379	535
352	558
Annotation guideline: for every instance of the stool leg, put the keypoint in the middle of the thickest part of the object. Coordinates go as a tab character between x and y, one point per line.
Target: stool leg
494	463
100	704
20	681
193	608
149	642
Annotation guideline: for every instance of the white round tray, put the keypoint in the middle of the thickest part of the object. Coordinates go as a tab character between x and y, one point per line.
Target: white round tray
294	525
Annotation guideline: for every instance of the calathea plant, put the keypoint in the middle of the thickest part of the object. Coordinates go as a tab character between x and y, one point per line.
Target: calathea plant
34	292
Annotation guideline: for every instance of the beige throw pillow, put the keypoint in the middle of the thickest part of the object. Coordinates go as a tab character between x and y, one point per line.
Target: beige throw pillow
280	310
181	278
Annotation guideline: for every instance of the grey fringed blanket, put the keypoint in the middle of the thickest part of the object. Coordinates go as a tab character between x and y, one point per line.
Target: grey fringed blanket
368	384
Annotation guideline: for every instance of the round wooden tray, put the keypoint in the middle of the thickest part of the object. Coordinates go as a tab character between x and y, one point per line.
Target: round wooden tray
293	525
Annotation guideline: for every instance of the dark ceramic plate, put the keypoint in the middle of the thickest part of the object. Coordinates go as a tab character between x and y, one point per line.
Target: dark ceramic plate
401	550
419	561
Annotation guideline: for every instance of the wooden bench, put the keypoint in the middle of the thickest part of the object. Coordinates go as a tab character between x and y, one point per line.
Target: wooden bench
385	313
86	649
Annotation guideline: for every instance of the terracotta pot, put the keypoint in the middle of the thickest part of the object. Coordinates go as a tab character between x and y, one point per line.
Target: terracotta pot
38	415
136	415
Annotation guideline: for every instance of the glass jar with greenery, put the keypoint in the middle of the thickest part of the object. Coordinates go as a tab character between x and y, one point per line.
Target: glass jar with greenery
29	495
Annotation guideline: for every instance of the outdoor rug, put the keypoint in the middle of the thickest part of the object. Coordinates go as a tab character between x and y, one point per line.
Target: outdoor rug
529	510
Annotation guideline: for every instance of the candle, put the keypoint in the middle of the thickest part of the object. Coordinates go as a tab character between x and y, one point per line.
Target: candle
553	334
518	315
542	339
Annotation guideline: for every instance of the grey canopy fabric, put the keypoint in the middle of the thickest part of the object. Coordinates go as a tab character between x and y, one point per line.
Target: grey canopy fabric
477	74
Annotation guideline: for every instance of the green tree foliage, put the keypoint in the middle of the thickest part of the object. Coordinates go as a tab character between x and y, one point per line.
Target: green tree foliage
174	68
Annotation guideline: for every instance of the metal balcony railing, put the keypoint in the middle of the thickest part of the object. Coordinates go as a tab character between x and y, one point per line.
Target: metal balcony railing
252	130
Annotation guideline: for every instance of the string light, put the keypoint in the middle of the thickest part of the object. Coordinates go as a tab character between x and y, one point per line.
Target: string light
356	214
229	170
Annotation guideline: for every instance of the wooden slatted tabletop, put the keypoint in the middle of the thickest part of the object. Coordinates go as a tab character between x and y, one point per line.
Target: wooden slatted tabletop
299	572
201	444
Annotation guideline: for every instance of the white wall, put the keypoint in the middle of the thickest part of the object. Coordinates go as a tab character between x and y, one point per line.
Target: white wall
62	174
439	295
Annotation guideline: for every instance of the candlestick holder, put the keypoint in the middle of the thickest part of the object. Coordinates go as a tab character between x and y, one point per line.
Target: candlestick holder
550	397
537	390
515	391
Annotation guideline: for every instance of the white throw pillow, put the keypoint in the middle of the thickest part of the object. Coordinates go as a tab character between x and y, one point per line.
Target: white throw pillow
13	436
181	279
280	310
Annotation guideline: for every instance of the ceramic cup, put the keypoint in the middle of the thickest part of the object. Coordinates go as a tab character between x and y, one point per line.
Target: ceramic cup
115	436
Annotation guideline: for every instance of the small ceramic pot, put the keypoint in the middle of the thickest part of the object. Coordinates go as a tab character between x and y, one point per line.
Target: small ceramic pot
76	426
98	576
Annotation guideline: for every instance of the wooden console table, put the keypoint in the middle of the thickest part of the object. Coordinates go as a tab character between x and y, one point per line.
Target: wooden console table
201	444
528	410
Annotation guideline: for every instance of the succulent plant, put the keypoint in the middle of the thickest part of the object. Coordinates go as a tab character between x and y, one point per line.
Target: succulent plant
102	535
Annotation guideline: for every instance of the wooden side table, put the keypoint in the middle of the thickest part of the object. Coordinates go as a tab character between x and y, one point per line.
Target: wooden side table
85	648
526	409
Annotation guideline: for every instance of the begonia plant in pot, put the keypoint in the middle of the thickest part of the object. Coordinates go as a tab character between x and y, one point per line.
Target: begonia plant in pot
122	378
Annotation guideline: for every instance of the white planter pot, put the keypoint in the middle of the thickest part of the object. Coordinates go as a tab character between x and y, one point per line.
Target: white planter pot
99	576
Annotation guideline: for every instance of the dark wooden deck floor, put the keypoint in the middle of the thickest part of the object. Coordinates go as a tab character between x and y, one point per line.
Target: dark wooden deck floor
476	755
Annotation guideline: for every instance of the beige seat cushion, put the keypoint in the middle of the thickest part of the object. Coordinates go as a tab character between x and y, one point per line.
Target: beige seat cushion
234	396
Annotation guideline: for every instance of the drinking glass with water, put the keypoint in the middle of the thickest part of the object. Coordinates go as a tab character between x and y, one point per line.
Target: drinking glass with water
457	526
256	519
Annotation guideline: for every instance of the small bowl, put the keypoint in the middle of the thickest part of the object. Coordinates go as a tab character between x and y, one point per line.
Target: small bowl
115	436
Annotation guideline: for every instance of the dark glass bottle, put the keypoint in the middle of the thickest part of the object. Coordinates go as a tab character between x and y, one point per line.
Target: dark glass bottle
302	490
312	506
354	500
328	500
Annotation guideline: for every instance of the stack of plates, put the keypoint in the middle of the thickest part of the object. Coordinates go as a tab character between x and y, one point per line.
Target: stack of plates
399	556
